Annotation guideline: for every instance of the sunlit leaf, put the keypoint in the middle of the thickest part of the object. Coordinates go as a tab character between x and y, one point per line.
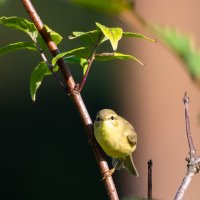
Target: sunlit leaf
79	61
136	35
113	34
89	38
37	76
81	52
56	37
17	46
29	28
107	6
183	46
115	55
20	24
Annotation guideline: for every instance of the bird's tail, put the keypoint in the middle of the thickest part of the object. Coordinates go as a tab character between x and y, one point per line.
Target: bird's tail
129	165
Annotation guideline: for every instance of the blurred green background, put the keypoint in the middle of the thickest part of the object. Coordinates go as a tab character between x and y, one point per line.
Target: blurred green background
44	149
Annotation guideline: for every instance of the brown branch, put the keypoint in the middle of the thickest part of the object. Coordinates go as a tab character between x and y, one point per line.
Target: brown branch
150	165
193	165
76	97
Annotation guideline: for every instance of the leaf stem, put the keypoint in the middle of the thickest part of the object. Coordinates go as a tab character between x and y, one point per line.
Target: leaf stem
90	61
76	97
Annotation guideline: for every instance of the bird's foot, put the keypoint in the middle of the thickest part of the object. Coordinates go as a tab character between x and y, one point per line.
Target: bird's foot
108	173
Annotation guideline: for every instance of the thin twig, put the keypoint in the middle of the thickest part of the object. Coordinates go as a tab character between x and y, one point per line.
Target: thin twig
87	71
76	97
44	58
90	61
186	102
150	165
193	165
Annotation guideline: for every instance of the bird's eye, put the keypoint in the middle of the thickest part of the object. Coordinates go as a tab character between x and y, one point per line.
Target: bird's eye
98	119
112	117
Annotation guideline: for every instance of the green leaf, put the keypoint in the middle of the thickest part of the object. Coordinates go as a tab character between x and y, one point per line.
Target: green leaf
107	6
20	24
56	37
89	38
183	47
136	35
37	76
81	52
79	61
115	55
113	34
17	46
29	28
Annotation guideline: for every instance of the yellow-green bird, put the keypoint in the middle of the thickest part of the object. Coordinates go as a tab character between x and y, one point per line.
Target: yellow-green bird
117	138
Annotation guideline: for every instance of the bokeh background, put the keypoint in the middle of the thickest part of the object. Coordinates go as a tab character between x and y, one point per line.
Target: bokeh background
43	147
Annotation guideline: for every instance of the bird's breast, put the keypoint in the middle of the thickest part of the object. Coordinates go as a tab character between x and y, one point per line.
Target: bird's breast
112	140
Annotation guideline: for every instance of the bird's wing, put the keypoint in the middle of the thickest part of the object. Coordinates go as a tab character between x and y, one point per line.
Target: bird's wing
132	138
129	132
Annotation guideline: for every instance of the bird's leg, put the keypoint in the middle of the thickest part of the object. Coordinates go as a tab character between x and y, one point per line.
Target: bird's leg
108	173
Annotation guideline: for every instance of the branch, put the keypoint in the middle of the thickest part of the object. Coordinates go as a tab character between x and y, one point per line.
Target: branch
150	165
186	102
87	71
90	61
76	97
193	165
44	58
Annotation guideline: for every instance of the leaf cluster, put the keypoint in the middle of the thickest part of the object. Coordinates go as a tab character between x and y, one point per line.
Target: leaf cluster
35	44
179	42
92	40
83	56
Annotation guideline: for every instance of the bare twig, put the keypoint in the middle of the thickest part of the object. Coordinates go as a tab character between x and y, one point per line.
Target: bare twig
44	58
185	184
150	165
193	161
186	102
76	97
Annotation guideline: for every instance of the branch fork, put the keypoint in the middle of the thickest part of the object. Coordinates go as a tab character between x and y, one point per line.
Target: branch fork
193	166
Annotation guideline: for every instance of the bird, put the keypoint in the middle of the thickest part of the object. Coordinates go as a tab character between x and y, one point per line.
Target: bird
118	139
